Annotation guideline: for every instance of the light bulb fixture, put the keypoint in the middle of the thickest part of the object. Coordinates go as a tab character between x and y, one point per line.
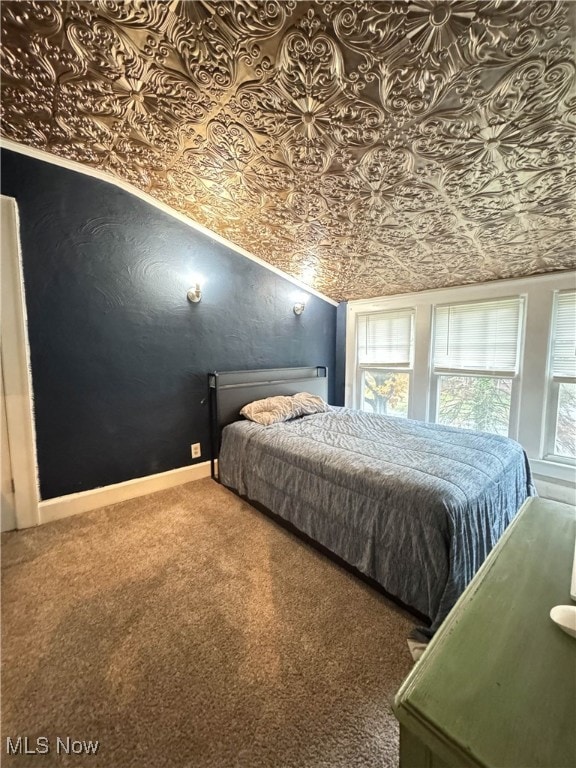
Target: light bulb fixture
194	294
299	307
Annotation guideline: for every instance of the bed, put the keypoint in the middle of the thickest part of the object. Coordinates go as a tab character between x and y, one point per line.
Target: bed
414	506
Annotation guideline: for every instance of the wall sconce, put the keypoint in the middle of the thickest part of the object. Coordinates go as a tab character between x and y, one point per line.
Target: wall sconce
299	307
194	294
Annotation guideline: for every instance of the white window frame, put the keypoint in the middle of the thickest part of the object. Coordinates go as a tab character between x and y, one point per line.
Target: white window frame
385	367
553	394
436	373
551	420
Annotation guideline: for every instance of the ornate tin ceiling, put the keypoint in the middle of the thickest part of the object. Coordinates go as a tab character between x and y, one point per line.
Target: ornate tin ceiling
367	148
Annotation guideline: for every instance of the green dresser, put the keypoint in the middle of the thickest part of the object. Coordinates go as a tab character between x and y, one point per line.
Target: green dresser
497	685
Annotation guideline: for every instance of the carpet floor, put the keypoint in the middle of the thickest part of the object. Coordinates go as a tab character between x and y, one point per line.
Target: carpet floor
187	629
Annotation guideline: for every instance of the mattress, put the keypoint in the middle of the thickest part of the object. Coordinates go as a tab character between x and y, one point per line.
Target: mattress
415	506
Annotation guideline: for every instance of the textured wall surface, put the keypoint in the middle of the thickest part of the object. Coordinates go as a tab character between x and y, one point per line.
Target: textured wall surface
119	356
368	148
340	362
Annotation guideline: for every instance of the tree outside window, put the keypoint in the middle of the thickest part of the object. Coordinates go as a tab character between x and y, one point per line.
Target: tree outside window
386	392
475	402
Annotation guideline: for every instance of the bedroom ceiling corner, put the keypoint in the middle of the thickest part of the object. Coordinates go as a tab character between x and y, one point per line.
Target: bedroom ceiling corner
366	148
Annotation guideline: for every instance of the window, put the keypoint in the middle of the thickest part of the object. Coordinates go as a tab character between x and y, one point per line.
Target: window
475	362
497	357
561	432
385	342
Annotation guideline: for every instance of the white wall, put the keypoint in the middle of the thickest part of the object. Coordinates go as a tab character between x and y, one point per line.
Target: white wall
16	373
554	479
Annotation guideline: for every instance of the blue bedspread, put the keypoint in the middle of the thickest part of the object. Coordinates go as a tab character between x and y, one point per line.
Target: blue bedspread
415	506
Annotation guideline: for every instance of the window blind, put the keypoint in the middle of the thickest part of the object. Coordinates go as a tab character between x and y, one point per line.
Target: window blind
564	340
478	336
386	338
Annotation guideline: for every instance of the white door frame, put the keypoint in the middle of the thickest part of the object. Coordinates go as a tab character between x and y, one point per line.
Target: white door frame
16	364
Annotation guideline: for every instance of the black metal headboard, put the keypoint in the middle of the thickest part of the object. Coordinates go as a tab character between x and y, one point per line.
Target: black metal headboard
230	391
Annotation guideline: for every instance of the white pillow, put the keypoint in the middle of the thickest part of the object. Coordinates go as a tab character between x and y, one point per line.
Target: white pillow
271	410
308	404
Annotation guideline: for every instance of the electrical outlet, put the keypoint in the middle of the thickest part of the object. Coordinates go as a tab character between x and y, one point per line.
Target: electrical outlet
196	450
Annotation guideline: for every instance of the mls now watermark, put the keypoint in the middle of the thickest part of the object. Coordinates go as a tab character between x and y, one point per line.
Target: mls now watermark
42	745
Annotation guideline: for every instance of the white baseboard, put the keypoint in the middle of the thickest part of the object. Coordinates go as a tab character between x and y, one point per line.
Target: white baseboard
556	490
75	503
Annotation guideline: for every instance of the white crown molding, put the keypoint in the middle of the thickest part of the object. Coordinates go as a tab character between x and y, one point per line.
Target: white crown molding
72	165
76	503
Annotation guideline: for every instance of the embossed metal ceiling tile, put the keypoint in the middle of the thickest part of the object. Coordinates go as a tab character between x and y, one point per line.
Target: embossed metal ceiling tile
367	147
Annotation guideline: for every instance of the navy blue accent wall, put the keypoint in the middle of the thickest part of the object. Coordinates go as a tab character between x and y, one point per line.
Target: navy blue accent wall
340	361
119	356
